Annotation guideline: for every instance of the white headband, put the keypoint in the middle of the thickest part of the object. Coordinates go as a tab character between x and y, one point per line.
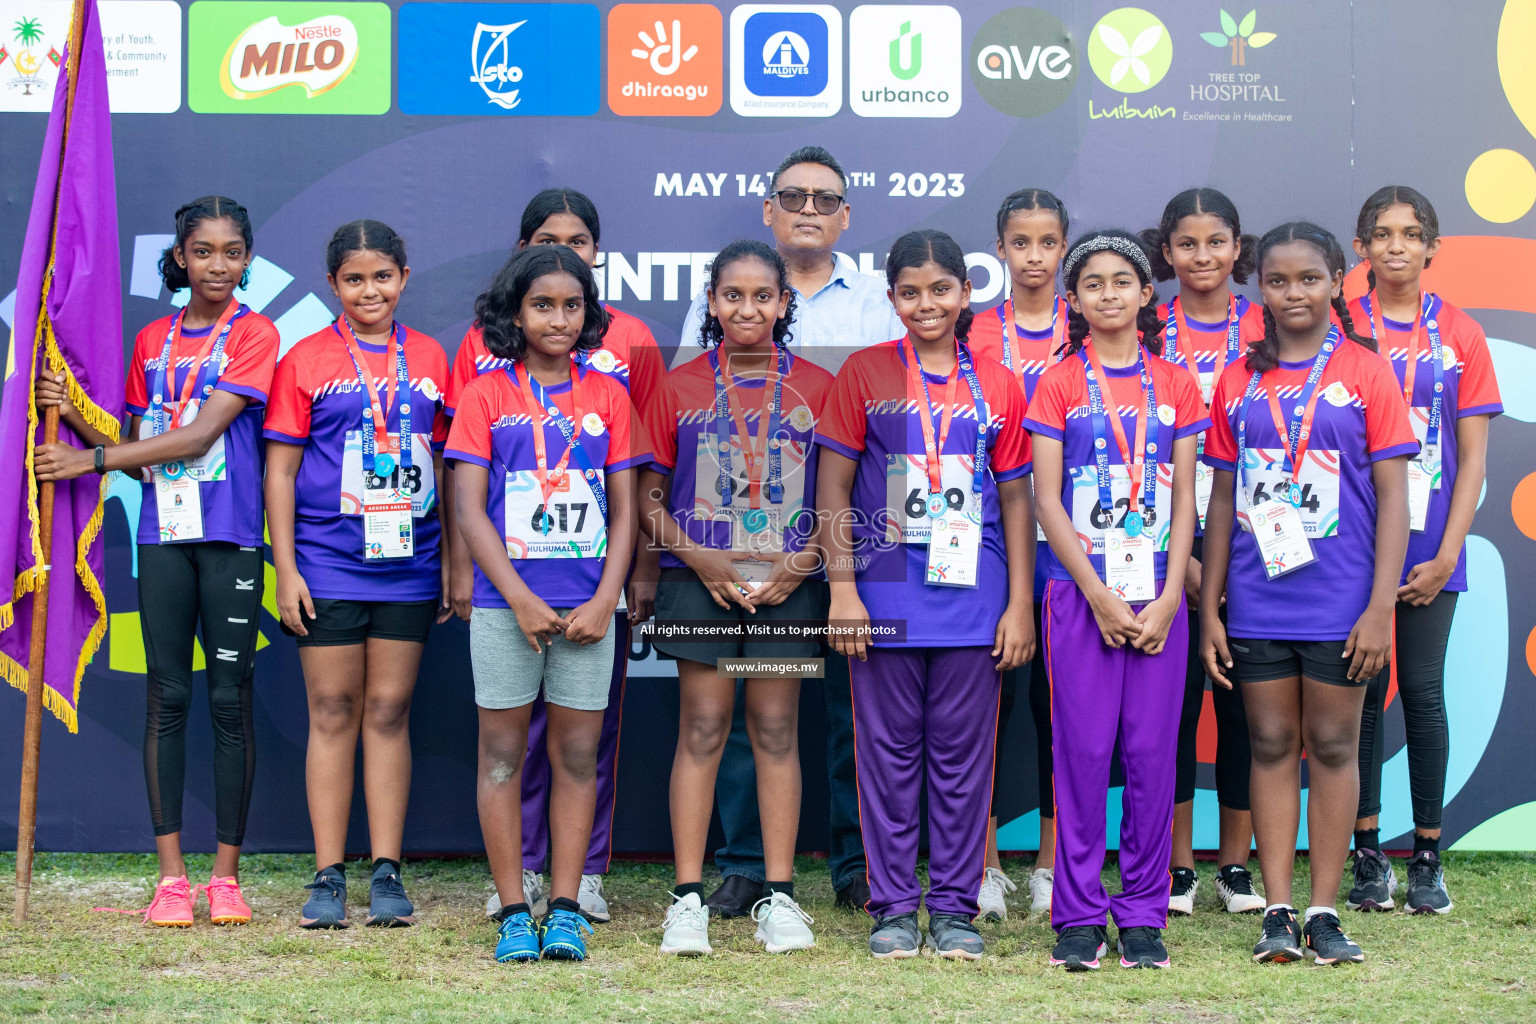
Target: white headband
1105	243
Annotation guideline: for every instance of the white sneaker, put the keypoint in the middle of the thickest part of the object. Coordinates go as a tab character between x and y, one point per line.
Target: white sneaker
590	896
1041	882
991	902
781	924
533	892
686	927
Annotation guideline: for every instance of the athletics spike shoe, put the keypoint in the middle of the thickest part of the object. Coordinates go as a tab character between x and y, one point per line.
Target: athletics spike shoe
172	905
782	925
991	900
1234	884
1079	947
1142	946
1426	885
560	935
327	905
517	940
686	928
590	895
735	898
954	937
533	894
1041	882
1375	883
1181	893
1327	942
225	904
1279	938
388	906
895	937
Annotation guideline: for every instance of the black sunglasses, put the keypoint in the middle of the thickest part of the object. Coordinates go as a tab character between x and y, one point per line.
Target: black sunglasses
793	201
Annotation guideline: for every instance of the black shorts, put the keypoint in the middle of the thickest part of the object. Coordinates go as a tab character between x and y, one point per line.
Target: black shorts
340	623
1257	661
681	598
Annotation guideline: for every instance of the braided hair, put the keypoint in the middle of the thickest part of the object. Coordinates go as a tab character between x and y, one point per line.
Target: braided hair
1148	323
1264	354
1029	199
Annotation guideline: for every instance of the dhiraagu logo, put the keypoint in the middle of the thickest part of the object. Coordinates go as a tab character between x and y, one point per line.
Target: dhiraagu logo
1130	50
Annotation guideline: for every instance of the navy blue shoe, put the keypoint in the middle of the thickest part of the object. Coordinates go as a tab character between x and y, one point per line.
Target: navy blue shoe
327	904
517	939
387	905
560	936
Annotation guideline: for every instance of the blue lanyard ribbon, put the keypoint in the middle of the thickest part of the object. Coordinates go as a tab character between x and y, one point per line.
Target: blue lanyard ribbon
402	393
1431	318
968	371
1298	414
1099	414
163	378
775	482
572	434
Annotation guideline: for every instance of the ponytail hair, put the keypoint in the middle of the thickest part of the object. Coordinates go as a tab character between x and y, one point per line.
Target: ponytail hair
916	248
1264	354
364	236
1394	195
188	217
1027	199
1193	202
1148	324
711	332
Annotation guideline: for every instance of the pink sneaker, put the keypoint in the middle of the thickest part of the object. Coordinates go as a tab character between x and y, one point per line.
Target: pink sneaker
172	905
225	904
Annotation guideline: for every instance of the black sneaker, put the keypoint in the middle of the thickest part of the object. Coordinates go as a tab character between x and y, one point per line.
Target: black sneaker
1374	883
1279	938
1426	885
1142	947
1181	894
895	937
954	937
1079	947
735	898
1327	942
854	896
1234	884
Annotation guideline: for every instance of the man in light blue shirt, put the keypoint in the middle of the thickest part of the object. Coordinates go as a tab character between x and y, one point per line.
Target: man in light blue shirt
838	310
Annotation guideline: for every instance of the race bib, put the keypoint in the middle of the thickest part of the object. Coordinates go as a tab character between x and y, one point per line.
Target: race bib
208	468
761	529
906	494
178	504
1267	480
1092	521
569	525
419	483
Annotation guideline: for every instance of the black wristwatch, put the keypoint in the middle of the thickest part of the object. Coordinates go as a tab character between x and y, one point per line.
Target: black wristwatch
101	459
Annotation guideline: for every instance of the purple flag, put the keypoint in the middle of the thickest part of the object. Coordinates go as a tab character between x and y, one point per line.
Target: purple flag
69	306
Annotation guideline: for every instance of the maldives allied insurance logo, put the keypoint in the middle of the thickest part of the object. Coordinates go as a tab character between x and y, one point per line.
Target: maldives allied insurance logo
786	60
1130	50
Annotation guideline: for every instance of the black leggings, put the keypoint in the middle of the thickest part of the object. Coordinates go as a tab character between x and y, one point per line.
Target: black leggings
1423	632
219	584
1040	711
1233	755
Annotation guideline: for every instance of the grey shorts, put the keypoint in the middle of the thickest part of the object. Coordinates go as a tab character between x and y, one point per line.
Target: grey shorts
508	672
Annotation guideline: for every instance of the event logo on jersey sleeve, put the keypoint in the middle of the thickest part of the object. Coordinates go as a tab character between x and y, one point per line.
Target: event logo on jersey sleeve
664	60
786	60
905	61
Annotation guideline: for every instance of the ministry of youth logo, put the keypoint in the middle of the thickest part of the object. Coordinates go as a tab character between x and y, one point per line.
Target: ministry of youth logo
665	55
491	60
786	55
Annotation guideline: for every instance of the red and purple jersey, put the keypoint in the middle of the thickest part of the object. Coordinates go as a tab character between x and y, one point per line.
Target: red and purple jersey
1360	419
871	418
628	354
493	429
1207	339
680	422
1061	411
1470	390
232	506
318	402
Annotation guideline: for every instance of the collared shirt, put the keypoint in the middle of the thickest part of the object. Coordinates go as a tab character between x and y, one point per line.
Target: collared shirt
849	312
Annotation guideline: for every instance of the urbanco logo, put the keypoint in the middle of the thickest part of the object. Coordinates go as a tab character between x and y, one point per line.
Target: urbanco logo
904	60
665	59
1024	62
1130	50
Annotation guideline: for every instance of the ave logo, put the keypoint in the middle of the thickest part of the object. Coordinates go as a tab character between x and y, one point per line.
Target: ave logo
665	60
904	61
1024	62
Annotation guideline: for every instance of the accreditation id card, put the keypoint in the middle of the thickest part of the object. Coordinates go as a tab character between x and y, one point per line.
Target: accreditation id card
1423	479
754	571
1130	566
954	550
1282	537
389	530
179	504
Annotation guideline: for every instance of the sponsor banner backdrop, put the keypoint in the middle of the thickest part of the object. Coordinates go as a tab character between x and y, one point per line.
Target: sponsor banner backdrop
672	117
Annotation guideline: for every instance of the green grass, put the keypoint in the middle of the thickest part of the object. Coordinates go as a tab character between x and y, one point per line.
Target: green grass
1477	964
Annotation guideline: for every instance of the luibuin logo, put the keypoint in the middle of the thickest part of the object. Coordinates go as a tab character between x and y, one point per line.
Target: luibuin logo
1238	36
491	61
908	68
268	56
1130	50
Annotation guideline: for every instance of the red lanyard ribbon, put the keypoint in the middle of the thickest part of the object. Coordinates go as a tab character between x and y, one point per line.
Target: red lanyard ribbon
1137	466
548	480
755	451
1177	308
1014	351
193	371
377	410
933	448
1377	332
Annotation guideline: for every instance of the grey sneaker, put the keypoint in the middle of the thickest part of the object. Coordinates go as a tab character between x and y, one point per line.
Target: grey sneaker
1374	883
1426	885
895	937
991	901
533	893
954	937
590	896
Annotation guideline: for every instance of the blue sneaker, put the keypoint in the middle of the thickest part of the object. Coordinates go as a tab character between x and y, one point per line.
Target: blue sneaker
387	905
518	939
560	935
327	904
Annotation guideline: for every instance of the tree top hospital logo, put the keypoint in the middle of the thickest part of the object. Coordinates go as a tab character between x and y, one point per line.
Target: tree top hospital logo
1024	62
1130	50
1239	37
664	60
786	60
906	61
288	58
524	59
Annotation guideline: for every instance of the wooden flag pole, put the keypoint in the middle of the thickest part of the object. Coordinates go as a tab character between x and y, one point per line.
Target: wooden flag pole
32	733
